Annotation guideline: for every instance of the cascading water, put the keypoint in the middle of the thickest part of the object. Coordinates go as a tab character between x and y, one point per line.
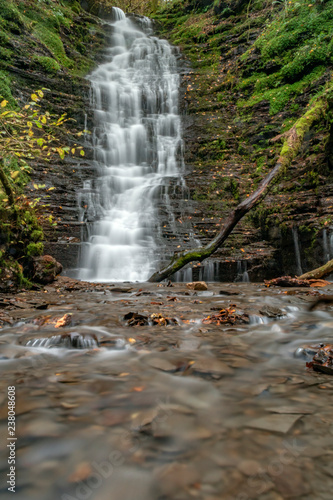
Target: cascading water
137	140
297	251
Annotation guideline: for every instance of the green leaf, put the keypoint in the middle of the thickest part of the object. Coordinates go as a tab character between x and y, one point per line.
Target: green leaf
82	152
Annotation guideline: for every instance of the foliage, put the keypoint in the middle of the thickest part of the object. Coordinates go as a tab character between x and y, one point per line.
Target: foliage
30	132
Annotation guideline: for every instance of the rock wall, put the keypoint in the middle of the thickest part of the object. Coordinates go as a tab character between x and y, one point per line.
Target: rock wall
231	145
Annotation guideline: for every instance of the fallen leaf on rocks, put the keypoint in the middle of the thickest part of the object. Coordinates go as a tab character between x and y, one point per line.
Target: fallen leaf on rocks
287	281
318	283
226	316
135	319
64	321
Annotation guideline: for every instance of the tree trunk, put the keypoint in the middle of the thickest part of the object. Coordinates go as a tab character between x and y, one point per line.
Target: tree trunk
319	272
290	148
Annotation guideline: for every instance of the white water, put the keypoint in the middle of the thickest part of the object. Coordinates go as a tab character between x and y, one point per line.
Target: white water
297	251
136	140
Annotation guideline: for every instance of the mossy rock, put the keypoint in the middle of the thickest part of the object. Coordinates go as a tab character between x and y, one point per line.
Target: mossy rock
46	268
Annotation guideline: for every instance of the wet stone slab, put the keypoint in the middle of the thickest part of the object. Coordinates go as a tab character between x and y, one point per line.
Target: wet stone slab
167	411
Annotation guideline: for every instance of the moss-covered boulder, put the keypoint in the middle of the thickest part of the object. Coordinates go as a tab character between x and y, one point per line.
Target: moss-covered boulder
46	268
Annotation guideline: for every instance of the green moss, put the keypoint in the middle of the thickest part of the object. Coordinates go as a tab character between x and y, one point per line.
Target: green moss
10	14
34	249
6	54
36	235
5	89
270	88
54	44
48	64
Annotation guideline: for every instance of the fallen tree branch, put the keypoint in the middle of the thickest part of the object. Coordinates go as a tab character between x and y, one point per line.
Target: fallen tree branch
319	271
290	148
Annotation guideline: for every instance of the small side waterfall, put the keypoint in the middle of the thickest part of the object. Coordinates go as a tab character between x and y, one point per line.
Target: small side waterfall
326	247
297	251
138	153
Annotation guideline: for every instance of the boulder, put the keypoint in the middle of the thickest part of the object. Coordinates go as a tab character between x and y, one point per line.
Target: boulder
197	285
46	269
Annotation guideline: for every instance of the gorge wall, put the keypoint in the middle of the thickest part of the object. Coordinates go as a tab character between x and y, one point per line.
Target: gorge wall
240	91
251	70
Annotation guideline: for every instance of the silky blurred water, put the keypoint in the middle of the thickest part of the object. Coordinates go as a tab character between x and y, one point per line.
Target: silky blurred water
138	150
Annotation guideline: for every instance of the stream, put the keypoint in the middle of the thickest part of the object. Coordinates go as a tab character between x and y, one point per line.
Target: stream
109	411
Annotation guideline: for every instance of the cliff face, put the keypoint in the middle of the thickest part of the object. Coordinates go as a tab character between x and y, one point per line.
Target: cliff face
52	45
253	70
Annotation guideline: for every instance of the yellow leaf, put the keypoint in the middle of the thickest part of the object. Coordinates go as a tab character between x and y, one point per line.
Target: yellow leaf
43	119
35	186
82	152
51	188
40	93
3	103
61	153
34	97
14	174
73	151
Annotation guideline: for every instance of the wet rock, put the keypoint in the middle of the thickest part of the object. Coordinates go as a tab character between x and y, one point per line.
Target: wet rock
212	367
197	285
271	311
226	316
161	364
46	268
275	423
135	319
290	483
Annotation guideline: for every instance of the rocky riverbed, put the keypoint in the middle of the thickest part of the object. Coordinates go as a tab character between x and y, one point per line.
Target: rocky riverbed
148	391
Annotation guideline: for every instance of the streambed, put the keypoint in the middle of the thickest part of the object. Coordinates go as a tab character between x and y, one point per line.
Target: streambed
156	412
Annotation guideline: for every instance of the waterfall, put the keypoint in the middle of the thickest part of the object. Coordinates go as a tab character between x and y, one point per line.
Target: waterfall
242	273
138	153
326	248
297	251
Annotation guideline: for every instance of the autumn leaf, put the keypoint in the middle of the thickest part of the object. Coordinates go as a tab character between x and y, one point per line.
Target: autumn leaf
3	103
